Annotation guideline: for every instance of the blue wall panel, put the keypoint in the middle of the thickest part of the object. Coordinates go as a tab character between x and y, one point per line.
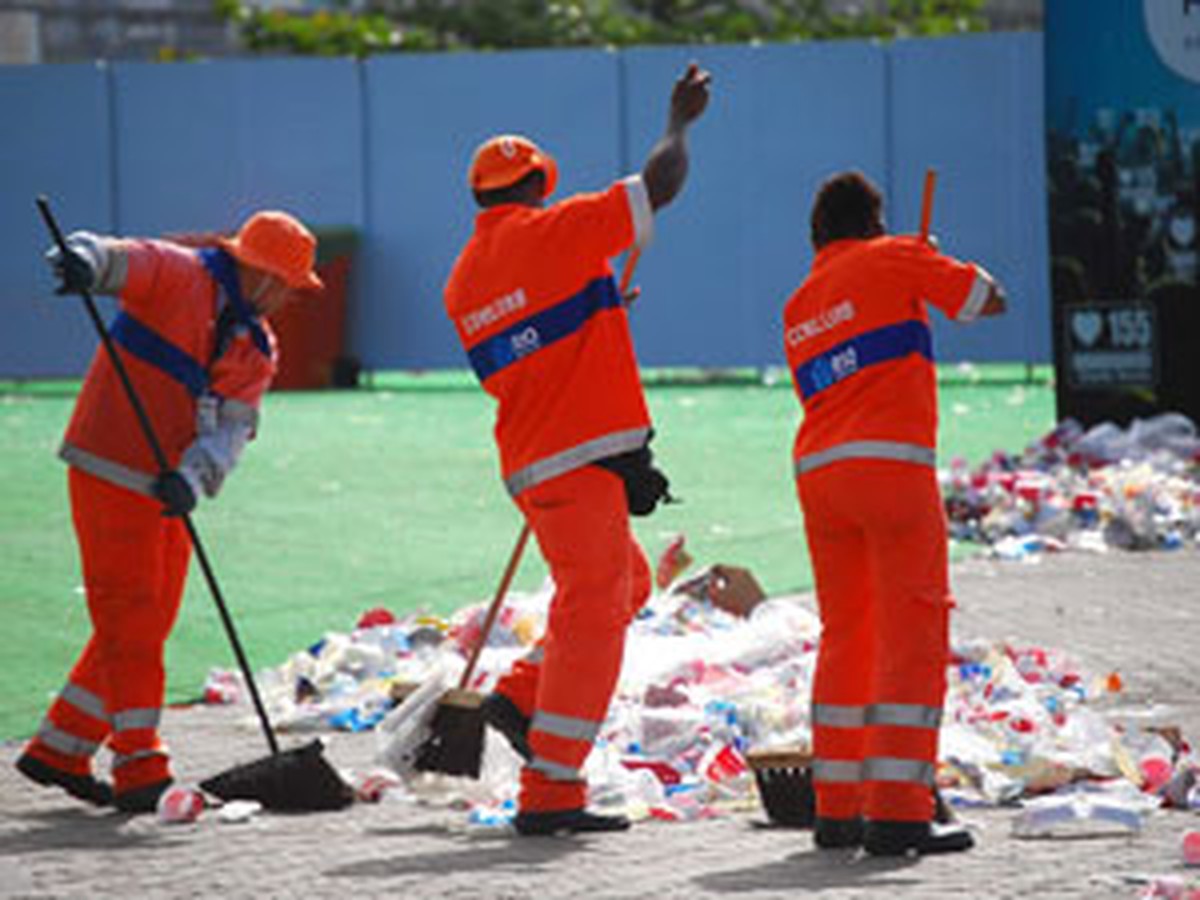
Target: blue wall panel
384	146
972	108
56	142
735	243
425	116
200	147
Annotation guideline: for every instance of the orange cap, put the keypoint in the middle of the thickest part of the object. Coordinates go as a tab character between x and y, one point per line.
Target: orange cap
279	244
506	159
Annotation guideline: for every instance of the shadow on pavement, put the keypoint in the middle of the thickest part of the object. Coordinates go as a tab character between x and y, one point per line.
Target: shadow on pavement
812	870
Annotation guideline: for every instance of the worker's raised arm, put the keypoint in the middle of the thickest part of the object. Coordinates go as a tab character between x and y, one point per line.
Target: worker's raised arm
667	166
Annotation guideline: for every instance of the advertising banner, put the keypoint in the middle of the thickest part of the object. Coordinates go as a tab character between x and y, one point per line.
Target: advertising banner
1123	151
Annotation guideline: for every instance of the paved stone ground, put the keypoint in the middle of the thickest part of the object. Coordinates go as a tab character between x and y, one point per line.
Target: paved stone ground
1136	614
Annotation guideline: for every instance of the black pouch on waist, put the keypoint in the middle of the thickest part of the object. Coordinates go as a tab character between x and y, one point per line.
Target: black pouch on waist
645	485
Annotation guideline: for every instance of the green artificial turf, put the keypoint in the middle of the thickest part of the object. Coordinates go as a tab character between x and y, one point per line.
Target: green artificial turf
389	496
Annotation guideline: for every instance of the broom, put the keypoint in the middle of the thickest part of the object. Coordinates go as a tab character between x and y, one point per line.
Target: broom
783	775
295	780
455	743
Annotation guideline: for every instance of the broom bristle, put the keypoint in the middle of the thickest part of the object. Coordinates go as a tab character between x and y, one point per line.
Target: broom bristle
456	745
297	780
784	779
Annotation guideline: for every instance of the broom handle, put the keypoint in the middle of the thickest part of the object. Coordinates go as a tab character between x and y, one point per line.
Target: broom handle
510	570
927	202
160	459
514	558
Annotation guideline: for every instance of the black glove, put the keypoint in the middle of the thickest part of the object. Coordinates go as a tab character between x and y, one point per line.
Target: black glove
176	495
74	271
645	485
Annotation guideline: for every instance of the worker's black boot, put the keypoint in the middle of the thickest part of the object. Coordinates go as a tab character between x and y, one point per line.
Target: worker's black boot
566	821
82	787
503	715
886	838
836	834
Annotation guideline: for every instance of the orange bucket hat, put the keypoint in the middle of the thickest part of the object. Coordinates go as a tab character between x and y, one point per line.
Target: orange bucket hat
279	244
505	159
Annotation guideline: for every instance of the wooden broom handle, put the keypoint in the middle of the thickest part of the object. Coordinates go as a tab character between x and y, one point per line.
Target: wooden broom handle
927	202
510	570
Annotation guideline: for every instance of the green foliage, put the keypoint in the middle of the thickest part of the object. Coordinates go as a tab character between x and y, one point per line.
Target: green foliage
423	25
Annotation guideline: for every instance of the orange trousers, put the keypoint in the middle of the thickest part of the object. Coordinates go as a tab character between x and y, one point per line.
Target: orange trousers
134	569
601	580
877	536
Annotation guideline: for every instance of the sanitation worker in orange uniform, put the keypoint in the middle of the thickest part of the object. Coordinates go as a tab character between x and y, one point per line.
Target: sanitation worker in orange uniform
192	334
534	301
859	348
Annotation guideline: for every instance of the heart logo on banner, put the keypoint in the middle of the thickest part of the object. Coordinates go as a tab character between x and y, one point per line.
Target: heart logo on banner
1087	327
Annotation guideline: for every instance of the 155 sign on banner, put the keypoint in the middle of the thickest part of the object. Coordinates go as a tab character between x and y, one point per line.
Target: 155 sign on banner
1111	345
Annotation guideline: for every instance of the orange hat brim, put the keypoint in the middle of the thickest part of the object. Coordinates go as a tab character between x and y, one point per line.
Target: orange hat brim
310	281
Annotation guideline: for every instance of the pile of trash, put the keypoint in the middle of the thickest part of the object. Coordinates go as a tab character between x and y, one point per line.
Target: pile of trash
701	686
1105	487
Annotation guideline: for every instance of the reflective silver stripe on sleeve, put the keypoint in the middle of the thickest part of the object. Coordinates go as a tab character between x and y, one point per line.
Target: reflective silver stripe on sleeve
838	716
106	469
569	727
575	457
119	760
555	771
640	210
84	701
837	771
909	715
131	719
63	742
914	453
980	288
890	768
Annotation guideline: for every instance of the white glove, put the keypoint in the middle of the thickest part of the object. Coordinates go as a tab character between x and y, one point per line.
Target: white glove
223	428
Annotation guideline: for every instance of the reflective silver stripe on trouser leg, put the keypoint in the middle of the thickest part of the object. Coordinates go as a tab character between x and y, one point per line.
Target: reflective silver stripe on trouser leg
569	728
835	716
576	457
893	450
890	768
134	719
119	760
837	771
84	701
905	715
65	742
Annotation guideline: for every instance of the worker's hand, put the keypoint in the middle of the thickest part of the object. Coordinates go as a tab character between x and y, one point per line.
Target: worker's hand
176	495
996	303
77	269
734	589
690	95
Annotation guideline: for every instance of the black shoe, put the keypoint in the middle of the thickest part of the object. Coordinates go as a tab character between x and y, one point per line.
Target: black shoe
836	834
82	787
143	799
503	715
570	821
919	838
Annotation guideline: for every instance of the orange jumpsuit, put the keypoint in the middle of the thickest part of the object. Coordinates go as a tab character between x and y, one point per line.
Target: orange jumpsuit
859	348
135	560
533	299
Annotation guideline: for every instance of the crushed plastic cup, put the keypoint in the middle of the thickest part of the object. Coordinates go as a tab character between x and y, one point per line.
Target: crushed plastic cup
235	812
1190	847
180	804
1077	815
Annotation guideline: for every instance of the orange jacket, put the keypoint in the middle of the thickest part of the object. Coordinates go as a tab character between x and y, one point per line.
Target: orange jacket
533	299
165	335
860	351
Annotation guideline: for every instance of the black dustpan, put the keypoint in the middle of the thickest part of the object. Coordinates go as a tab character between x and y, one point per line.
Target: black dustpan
296	780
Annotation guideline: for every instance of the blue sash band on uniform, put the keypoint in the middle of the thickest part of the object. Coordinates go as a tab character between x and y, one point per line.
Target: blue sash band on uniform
541	329
223	268
868	349
150	347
